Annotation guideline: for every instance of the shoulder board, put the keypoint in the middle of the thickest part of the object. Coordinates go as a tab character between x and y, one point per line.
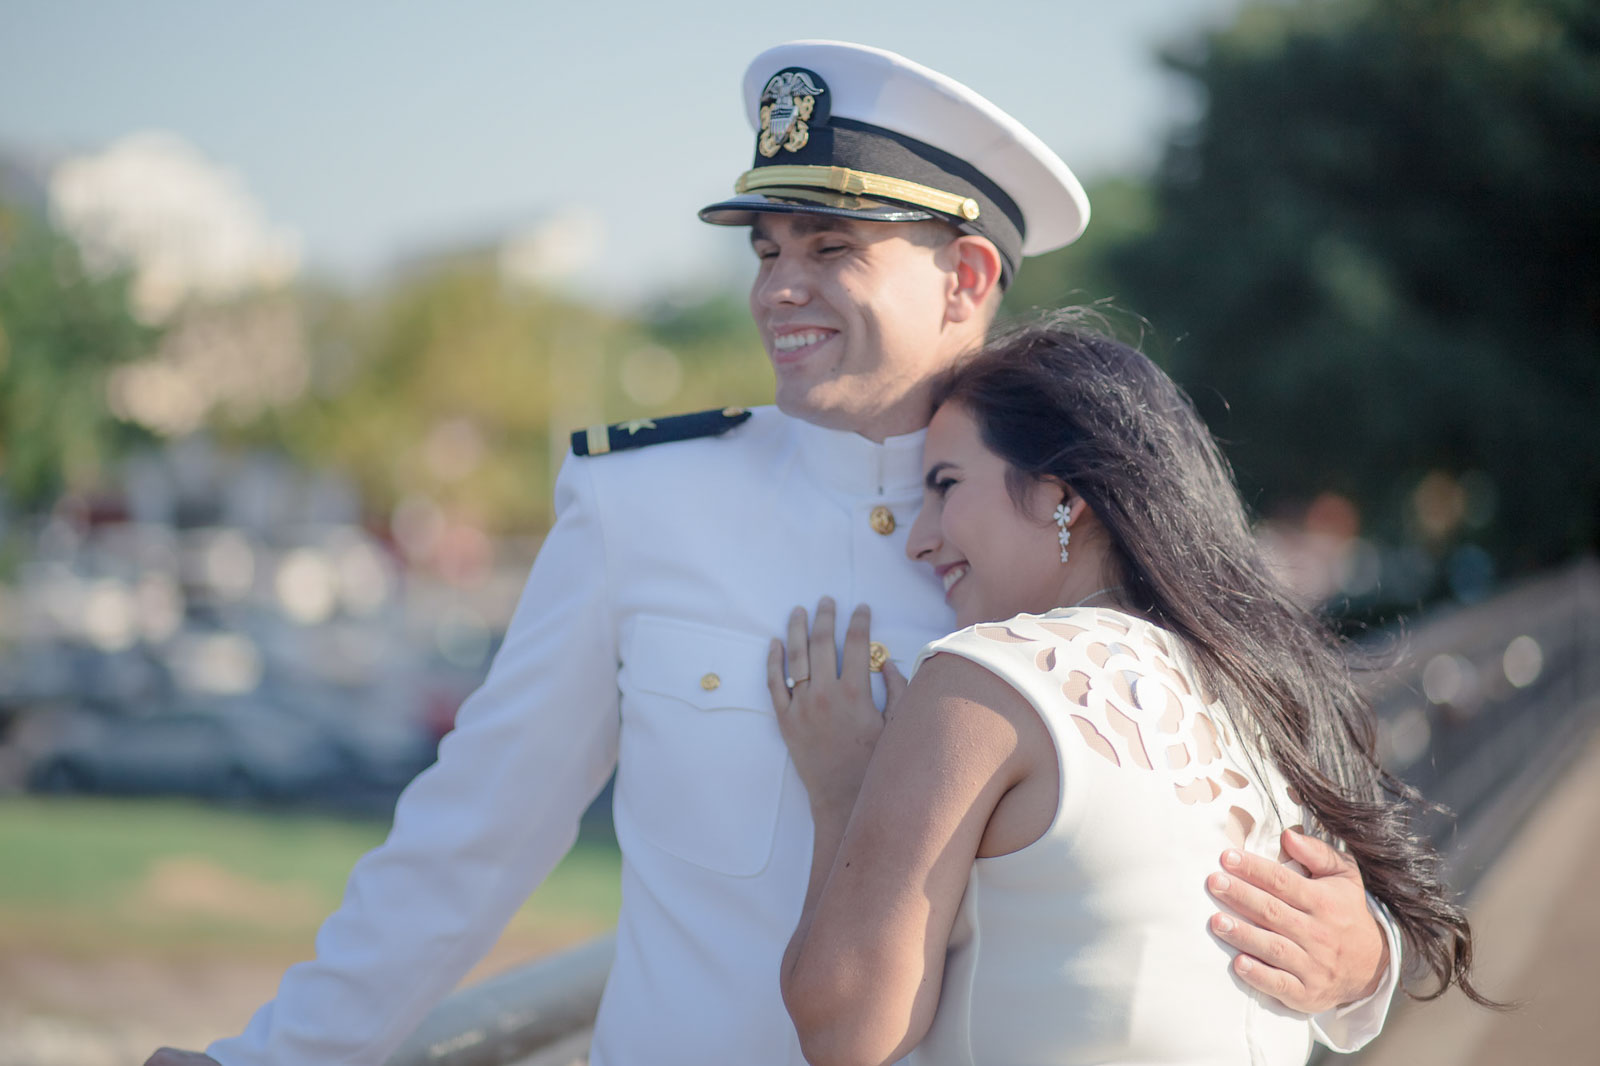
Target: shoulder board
640	432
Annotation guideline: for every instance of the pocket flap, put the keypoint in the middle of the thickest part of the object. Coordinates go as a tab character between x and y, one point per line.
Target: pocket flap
709	668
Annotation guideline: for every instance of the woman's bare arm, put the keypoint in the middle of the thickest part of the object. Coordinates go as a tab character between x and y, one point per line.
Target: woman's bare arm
862	973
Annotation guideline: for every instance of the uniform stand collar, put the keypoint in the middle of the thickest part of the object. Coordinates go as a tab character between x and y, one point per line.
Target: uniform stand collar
850	463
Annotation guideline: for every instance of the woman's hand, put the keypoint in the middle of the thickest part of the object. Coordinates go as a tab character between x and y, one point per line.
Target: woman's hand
828	718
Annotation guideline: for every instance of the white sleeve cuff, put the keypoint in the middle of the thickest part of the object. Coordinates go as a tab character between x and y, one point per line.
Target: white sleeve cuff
1352	1026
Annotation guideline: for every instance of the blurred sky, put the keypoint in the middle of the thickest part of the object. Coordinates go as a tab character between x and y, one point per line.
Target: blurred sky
382	130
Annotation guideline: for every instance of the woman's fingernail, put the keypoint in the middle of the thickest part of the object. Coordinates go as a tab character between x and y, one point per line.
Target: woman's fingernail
1224	924
1246	964
1220	882
1232	859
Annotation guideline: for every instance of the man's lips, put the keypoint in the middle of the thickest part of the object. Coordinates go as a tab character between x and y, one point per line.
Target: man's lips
793	343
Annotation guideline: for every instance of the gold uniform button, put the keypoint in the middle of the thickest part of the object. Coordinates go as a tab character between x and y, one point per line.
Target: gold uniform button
710	682
877	655
881	520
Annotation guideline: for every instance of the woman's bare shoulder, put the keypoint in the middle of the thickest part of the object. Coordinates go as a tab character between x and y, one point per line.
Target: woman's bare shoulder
956	700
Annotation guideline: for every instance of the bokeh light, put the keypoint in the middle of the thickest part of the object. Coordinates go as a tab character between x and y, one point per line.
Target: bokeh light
1523	661
307	585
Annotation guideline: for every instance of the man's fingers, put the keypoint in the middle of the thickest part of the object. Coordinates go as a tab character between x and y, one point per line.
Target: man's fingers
824	661
1268	948
1272	877
1263	909
1319	857
1279	984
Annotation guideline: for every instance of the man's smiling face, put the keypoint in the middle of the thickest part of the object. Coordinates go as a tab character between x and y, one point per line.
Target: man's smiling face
852	314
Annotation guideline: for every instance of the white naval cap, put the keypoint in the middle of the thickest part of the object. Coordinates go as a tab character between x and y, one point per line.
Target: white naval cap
846	129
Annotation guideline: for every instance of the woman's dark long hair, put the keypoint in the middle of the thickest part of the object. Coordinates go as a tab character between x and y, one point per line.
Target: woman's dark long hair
1058	400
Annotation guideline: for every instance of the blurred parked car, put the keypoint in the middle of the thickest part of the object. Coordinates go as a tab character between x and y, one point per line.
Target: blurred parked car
232	752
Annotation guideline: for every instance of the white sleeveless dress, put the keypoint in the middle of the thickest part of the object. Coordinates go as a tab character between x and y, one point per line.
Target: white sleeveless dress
1091	945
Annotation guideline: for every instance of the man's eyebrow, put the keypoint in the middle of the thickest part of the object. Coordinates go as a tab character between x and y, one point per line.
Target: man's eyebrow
809	224
934	471
804	225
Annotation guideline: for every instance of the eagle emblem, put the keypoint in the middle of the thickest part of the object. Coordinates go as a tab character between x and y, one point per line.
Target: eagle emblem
786	103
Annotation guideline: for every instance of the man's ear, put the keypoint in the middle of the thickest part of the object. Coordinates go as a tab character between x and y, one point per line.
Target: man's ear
975	276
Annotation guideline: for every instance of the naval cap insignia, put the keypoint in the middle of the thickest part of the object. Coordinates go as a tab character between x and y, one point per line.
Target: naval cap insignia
787	102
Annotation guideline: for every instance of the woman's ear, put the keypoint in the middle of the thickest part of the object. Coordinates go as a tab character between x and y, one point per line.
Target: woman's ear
975	273
1064	496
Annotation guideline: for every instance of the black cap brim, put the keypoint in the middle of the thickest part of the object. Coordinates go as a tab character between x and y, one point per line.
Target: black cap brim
742	210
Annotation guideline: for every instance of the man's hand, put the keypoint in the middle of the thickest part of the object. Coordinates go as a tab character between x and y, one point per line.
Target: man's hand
171	1056
1309	942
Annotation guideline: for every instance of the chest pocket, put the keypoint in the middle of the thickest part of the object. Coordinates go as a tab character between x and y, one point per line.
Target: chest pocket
701	762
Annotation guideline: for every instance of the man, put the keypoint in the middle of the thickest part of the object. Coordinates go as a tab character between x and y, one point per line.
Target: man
887	208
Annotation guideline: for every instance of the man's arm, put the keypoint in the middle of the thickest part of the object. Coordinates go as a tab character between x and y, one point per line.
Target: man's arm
475	832
1316	943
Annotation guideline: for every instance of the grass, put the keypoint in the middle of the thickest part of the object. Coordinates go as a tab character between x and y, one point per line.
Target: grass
87	877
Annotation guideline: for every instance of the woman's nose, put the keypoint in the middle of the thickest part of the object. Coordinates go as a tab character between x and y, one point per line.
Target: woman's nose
923	539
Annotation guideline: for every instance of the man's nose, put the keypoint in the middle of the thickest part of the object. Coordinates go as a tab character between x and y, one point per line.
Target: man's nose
783	282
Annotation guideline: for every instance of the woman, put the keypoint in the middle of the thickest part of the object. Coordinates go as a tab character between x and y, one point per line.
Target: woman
1006	863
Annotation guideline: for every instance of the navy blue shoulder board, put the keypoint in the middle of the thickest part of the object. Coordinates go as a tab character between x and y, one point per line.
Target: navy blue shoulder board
642	432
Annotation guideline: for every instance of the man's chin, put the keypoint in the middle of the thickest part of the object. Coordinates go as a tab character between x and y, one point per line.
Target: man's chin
816	406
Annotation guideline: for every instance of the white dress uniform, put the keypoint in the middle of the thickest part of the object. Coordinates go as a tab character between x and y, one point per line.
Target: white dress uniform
640	642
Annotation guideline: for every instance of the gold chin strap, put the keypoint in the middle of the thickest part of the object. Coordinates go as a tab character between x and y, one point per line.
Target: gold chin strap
858	183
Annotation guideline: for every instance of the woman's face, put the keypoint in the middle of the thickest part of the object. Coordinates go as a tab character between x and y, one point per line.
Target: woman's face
996	559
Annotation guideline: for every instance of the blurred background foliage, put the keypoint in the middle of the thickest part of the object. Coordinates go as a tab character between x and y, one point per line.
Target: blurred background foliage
461	386
1371	260
61	329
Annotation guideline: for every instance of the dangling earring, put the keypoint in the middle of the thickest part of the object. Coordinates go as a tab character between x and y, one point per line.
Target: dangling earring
1062	517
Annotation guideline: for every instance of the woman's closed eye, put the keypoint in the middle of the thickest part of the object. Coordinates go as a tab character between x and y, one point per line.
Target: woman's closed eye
939	479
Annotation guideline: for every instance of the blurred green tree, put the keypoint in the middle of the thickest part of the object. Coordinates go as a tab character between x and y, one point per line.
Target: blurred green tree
444	385
455	385
1123	212
720	349
62	329
1373	259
